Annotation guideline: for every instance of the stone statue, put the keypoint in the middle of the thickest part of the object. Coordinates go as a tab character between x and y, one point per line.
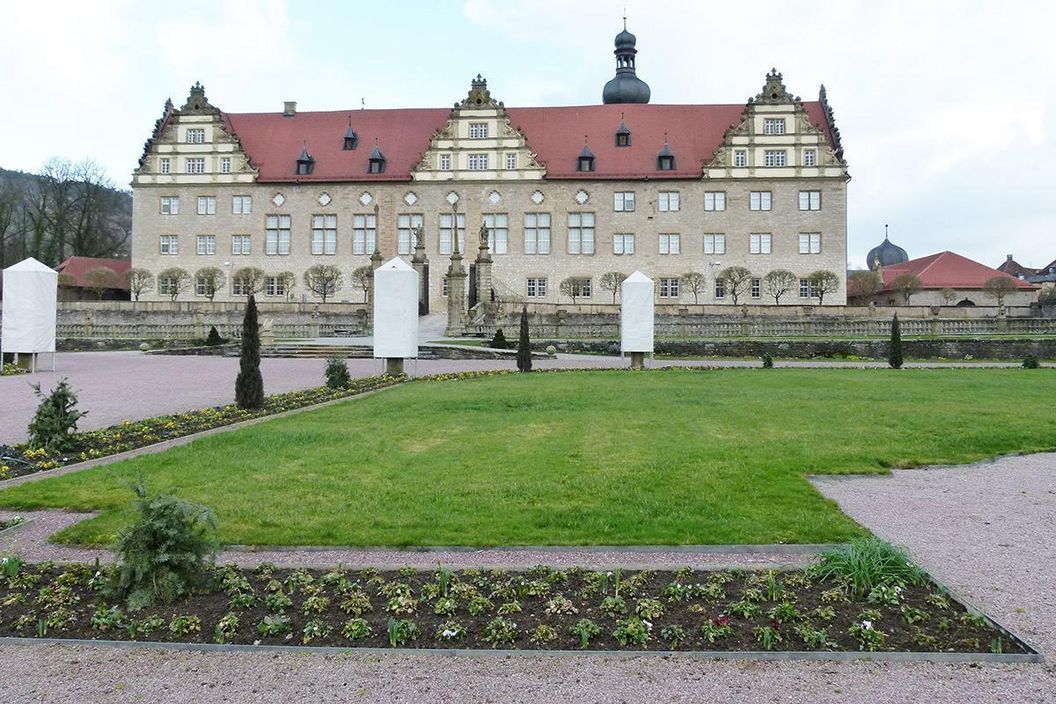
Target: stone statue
483	235
419	237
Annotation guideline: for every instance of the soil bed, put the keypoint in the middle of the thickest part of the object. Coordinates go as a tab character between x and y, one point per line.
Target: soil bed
541	608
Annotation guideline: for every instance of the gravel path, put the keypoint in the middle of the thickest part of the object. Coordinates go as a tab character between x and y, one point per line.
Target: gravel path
986	530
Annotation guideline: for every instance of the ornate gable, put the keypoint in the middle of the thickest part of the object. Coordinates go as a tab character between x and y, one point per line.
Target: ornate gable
478	143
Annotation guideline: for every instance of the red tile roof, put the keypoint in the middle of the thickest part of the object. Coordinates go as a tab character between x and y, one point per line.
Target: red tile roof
273	141
77	267
946	270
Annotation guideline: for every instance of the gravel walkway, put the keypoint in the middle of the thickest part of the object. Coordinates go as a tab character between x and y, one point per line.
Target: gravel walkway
986	530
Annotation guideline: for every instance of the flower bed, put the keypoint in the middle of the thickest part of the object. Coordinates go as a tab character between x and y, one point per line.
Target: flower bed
8	369
6	523
542	608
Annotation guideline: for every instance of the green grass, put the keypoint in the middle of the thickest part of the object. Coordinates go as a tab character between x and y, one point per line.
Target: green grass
666	457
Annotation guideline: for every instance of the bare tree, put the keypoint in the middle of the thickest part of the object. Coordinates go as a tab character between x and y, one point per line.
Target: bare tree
906	285
250	280
695	283
362	278
100	278
287	280
209	280
948	296
611	281
999	287
573	287
822	283
324	280
173	281
736	280
779	282
139	282
863	284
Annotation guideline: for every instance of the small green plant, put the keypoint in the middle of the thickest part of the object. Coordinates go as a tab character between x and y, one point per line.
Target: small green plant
585	629
742	608
913	615
925	640
445	606
834	596
768	362
542	635
336	373
107	619
402	631
182	626
1030	362
767	636
402	604
315	629
355	603
717	629
970	619
886	594
649	608
10	566
785	612
774	589
816	638
510	607
451	630
241	601
315	605
613	606
500	630
677	592
165	551
277	602
866	563
560	604
712	592
356	629
675	635
444	577
274	625
997	645
939	601
478	605
632	630
55	420
226	627
825	613
145	627
868	637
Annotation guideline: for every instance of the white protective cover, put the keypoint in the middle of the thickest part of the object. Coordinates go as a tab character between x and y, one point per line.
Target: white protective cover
636	313
395	310
30	302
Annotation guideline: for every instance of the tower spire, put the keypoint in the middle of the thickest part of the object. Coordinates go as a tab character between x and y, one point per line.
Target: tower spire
625	87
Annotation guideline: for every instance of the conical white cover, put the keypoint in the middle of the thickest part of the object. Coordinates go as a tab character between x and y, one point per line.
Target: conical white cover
636	313
395	310
30	305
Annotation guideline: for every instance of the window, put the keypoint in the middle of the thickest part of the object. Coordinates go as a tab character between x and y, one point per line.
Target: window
720	289
478	162
759	200
364	234
196	165
581	288
810	243
805	289
207	205
759	244
623	201
757	288
715	200
498	225
170	244
478	130
714	244
274	286
669	288
810	157
774	125
581	233
196	135
202	286
225	164
242	205
277	235
445	162
585	160
239	286
206	244
740	158
668	201
445	233
170	205
167	285
537	234
511	161
810	200
536	288
239	244
405	224
670	244
164	165
774	157
324	234
623	244
665	162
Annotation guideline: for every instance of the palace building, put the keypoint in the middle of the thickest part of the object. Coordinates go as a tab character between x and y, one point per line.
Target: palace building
565	193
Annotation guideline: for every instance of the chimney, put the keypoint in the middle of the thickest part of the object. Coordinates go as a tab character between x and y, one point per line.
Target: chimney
289	108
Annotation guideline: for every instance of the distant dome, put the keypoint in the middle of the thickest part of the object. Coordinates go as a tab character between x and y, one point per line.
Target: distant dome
625	87
885	254
625	39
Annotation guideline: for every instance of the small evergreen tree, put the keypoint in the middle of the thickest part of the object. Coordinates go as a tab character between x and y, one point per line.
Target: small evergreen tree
524	349
249	386
56	418
337	376
214	338
499	341
894	350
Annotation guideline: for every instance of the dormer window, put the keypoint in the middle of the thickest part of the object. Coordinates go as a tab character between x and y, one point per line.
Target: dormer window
305	162
623	136
351	139
665	160
585	160
376	161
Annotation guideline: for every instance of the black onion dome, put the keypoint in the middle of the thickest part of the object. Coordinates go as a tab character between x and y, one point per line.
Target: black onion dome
625	86
625	39
886	253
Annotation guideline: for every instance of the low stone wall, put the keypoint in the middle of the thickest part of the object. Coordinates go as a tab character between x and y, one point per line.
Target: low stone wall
969	348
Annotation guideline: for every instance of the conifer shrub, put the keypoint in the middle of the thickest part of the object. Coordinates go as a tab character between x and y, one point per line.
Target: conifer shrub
337	376
165	551
524	348
1030	362
55	419
213	339
894	349
249	385
499	341
768	362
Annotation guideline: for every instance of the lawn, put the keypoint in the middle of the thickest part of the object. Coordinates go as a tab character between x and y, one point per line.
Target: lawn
585	458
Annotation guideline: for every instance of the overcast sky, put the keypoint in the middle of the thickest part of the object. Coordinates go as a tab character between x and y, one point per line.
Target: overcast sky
946	108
